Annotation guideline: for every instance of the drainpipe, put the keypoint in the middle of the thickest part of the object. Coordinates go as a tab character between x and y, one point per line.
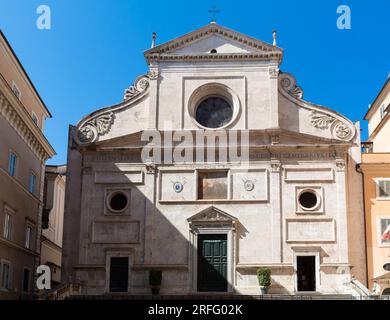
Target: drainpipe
359	170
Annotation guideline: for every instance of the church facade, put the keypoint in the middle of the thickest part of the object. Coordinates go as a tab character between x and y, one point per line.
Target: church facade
211	167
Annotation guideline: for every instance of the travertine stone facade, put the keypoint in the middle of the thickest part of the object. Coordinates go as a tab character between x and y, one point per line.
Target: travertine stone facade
294	147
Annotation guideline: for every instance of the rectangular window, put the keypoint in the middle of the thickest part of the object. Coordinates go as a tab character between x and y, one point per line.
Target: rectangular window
384	188
29	236
5	275
12	164
384	224
34	118
383	111
32	182
212	185
26	280
7	226
16	90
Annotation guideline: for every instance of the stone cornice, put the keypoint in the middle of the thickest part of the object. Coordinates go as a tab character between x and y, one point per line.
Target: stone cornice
262	50
18	118
215	57
321	118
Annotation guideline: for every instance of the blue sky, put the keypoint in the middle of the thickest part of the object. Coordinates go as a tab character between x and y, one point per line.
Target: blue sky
94	49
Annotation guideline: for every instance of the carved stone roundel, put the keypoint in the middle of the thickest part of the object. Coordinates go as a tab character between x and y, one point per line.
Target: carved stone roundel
178	187
249	185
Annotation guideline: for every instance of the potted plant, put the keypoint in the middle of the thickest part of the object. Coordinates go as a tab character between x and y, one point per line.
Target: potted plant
155	277
264	278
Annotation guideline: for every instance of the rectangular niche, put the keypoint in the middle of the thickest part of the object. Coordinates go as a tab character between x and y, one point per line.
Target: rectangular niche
250	185
308	174
213	185
310	230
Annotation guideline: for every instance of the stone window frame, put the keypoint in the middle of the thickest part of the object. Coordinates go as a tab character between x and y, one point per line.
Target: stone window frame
16	166
34	118
108	193
15	90
32	234
320	206
8	211
377	190
213	89
34	190
379	219
9	284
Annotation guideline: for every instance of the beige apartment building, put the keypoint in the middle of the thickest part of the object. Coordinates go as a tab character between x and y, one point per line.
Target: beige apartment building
23	152
53	221
376	171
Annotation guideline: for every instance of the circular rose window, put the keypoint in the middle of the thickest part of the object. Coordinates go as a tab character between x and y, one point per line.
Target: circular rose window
214	112
117	202
308	200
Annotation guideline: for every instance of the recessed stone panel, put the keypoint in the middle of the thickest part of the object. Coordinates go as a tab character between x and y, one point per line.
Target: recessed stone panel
118	177
119	232
310	230
177	185
250	185
308	174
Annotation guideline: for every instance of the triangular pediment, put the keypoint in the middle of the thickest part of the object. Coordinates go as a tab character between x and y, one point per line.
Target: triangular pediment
212	214
218	43
214	42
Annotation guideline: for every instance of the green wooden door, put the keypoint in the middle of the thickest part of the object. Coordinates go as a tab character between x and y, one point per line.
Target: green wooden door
212	263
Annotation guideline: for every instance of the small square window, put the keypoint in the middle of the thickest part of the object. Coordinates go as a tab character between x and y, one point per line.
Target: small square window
212	185
12	164
7	226
383	188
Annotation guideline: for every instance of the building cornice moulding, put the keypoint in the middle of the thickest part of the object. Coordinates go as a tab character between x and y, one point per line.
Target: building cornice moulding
15	114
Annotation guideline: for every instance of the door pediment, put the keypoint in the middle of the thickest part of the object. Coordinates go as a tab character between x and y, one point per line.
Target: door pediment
211	216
